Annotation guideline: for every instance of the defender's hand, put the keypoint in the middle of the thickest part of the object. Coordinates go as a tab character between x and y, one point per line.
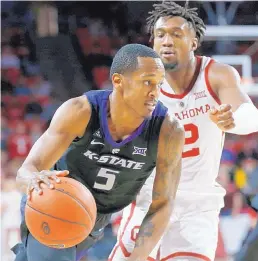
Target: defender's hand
222	117
47	177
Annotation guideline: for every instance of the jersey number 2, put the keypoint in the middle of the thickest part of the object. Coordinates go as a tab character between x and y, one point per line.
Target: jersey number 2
110	177
194	136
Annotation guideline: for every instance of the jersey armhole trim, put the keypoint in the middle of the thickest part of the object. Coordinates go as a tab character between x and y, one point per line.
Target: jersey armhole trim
206	75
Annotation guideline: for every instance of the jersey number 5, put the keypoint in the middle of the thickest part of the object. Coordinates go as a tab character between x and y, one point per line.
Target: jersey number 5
108	176
194	136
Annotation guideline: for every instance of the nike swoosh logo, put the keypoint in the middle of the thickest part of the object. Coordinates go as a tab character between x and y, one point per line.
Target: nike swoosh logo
93	142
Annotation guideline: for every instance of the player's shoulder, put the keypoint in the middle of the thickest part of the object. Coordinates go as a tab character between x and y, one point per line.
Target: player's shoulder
172	126
216	67
222	69
72	116
220	75
78	104
74	109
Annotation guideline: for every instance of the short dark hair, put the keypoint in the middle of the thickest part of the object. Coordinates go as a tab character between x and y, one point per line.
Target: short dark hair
125	59
169	8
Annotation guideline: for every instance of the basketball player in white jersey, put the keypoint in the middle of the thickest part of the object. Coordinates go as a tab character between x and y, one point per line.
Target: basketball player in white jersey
206	97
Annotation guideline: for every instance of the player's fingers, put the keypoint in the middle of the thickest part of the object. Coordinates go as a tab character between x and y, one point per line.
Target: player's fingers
45	179
223	124
230	126
213	110
62	173
29	190
35	185
55	178
225	107
58	174
225	115
52	174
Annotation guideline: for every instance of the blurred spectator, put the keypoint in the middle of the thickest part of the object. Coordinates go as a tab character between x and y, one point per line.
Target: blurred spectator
35	131
35	120
5	131
10	209
229	152
97	28
33	107
17	38
50	108
15	109
21	87
6	86
4	163
224	178
235	225
12	167
9	59
250	166
40	87
240	177
19	143
249	251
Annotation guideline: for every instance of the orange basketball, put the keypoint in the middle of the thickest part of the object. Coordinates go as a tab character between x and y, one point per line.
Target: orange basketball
61	217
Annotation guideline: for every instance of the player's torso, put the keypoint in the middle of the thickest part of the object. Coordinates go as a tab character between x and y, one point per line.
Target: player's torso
114	172
204	141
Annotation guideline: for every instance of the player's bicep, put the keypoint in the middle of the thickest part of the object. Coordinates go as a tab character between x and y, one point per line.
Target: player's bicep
69	121
48	149
168	167
227	84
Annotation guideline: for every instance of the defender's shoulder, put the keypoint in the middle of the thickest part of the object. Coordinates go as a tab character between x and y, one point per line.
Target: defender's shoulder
220	71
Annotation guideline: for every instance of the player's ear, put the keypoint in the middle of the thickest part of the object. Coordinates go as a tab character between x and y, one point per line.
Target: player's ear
117	80
194	44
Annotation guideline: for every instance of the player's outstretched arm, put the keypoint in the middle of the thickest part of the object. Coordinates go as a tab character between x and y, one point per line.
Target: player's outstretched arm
237	114
168	171
69	122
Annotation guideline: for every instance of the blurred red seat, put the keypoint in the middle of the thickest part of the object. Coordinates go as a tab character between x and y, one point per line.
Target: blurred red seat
82	33
105	44
13	75
23	99
7	99
100	75
43	100
15	112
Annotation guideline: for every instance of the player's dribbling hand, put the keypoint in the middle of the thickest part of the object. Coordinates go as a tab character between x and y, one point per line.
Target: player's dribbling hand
222	117
47	177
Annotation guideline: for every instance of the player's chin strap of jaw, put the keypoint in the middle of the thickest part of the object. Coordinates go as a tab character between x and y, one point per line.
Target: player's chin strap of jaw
246	119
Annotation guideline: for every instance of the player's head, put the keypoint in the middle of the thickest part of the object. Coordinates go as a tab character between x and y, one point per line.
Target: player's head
137	73
177	32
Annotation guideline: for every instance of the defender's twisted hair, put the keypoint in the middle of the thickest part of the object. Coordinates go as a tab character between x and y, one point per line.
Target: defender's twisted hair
169	8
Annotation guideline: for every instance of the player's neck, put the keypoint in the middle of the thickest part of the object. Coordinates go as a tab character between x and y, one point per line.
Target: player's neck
121	122
180	79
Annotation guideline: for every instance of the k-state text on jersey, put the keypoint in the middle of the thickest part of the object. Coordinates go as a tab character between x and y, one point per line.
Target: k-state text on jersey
113	160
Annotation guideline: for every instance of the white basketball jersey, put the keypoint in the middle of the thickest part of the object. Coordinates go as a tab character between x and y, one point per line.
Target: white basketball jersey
203	139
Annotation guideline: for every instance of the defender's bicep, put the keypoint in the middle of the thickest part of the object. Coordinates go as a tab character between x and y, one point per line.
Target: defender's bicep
226	82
